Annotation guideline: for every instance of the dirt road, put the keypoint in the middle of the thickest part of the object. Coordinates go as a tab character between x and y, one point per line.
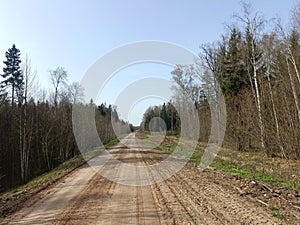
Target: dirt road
189	197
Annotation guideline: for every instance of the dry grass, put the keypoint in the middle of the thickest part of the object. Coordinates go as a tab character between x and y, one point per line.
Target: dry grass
279	171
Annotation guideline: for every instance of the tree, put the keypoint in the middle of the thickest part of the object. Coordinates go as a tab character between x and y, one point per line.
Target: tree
12	73
29	78
254	25
26	121
164	115
76	92
269	48
3	93
58	77
296	17
291	46
234	73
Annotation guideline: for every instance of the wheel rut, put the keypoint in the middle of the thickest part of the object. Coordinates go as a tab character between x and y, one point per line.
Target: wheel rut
187	197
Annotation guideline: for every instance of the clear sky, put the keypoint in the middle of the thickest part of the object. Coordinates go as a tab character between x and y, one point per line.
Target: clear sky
74	34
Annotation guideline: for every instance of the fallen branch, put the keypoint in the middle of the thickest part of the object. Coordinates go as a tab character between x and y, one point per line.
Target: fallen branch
267	188
260	201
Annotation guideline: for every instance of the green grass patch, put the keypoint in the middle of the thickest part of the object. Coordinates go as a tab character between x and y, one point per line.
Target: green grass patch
276	214
55	173
15	196
142	134
112	142
231	168
196	157
243	164
166	148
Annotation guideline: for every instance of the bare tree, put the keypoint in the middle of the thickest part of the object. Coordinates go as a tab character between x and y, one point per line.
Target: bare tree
58	77
211	56
29	78
26	121
76	92
268	46
254	24
290	58
296	17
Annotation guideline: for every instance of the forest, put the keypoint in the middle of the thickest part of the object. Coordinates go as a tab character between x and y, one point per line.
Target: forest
36	133
255	64
255	67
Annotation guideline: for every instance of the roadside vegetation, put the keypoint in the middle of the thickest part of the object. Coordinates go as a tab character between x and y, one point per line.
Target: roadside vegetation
250	165
14	198
271	182
36	124
255	65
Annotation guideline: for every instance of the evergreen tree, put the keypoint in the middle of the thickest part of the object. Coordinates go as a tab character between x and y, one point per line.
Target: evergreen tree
12	73
233	77
164	115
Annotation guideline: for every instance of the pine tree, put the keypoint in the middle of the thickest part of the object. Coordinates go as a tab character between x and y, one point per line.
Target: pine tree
12	74
164	115
234	74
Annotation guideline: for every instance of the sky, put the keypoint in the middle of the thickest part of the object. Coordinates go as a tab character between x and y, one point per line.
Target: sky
74	34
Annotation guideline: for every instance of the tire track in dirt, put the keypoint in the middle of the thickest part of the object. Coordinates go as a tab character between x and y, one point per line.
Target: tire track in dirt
164	211
53	200
139	201
181	209
91	198
188	197
228	205
126	204
171	201
205	202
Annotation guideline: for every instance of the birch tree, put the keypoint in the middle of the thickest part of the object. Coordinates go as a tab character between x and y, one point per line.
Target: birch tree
254	25
290	47
268	47
26	121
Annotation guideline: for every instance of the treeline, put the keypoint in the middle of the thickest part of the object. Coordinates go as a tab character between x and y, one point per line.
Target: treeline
37	135
167	113
258	73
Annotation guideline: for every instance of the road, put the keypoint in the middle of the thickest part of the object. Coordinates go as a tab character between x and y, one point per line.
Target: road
188	197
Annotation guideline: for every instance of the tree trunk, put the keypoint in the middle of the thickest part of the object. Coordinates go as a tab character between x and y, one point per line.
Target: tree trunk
276	119
293	90
295	65
257	94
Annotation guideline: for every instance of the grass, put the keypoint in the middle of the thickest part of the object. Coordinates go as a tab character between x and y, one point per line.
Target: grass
112	142
251	165
48	177
168	145
231	168
246	169
142	134
15	196
279	171
64	168
276	214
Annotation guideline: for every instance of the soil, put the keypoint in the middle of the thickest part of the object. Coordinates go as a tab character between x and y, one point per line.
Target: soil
188	197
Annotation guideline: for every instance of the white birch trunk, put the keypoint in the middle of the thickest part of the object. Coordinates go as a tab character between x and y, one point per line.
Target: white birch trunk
293	89
257	93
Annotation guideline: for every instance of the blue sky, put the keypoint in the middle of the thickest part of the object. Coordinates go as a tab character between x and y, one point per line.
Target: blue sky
74	34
